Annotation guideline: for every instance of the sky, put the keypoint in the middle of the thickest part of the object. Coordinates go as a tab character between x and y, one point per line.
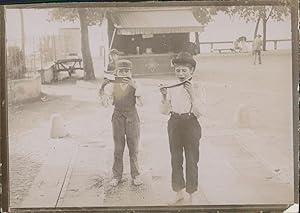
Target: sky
222	28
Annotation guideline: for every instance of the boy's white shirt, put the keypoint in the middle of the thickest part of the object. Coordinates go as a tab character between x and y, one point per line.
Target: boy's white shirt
178	100
107	98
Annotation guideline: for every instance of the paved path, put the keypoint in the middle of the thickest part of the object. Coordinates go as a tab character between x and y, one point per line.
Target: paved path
245	151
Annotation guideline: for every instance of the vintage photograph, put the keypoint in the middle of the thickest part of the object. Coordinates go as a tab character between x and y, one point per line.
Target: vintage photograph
150	106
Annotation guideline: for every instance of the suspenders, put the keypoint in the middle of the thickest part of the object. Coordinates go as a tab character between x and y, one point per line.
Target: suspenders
189	112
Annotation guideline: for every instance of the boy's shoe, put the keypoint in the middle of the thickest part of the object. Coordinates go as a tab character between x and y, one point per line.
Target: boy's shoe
137	181
114	182
179	197
191	199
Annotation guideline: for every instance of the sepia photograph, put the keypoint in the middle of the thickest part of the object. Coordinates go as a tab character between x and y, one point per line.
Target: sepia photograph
150	106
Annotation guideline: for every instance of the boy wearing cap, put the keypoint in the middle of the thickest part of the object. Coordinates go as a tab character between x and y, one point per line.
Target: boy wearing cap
114	57
184	104
125	120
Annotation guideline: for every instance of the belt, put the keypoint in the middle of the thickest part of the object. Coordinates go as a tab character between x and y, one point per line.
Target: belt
186	115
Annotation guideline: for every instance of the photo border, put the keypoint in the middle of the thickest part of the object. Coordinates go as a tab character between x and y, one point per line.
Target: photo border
294	6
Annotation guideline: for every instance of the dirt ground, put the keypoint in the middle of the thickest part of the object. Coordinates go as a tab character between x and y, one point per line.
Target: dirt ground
246	148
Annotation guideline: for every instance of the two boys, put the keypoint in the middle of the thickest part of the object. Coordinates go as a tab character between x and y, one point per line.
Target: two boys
184	131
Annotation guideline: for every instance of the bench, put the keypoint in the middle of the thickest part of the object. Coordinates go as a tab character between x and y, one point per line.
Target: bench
220	50
68	65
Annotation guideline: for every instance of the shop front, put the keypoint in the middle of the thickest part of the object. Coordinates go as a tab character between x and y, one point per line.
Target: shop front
150	38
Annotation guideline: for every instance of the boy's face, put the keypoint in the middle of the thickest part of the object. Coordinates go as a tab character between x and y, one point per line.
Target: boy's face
183	72
125	72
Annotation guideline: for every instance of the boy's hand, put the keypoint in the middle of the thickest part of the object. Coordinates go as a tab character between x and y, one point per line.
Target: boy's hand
163	91
189	88
130	82
104	100
101	91
105	82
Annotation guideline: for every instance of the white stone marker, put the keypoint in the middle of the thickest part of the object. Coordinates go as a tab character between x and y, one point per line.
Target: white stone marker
58	127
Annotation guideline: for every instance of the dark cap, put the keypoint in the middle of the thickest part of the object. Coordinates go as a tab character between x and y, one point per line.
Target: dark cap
123	64
184	58
115	51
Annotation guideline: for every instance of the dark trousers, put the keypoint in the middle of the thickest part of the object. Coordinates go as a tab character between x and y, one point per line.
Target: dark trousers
184	134
126	128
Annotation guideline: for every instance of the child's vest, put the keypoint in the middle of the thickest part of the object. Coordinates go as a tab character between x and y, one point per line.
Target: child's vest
124	100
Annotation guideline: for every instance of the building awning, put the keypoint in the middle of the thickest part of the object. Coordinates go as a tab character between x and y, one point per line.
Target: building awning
156	21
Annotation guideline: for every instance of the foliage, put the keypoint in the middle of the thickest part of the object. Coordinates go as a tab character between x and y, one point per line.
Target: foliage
264	13
15	67
252	13
204	14
94	15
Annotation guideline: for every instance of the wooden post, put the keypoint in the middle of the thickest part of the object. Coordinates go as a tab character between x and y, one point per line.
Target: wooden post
54	46
197	42
41	61
34	61
275	45
104	57
112	39
41	53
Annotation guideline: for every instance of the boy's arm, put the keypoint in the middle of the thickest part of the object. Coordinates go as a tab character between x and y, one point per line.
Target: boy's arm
165	107
139	94
106	93
139	101
165	103
199	102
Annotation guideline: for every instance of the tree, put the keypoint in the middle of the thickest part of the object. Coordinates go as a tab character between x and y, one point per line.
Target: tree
261	13
204	15
15	63
256	27
87	17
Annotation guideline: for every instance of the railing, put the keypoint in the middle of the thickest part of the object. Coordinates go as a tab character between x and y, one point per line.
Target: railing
275	43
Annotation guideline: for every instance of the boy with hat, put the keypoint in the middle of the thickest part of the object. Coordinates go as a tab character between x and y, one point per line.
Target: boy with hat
114	57
125	120
184	104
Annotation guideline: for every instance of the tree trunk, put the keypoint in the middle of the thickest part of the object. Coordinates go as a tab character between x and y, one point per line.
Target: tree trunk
85	46
197	42
110	27
23	70
264	34
256	27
